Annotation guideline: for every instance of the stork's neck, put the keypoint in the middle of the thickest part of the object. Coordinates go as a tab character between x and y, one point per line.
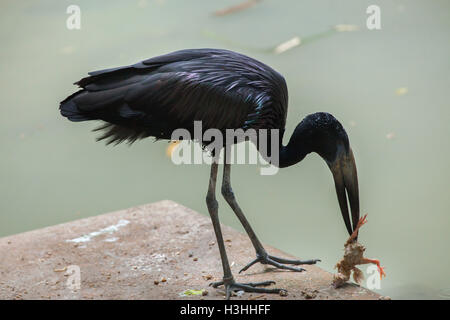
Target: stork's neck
284	156
295	151
318	132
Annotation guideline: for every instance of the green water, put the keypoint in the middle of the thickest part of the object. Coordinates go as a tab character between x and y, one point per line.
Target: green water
53	171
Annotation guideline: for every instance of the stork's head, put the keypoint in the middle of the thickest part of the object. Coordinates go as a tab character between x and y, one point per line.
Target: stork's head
322	133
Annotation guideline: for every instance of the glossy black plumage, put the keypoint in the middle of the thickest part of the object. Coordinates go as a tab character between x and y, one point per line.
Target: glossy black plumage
224	90
221	88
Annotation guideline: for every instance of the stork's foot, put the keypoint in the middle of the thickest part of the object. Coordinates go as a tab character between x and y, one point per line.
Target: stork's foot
231	286
279	263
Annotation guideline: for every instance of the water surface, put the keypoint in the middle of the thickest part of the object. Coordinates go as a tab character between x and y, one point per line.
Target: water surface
53	171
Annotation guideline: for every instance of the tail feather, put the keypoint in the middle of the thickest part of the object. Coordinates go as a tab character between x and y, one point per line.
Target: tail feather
70	110
102	97
118	134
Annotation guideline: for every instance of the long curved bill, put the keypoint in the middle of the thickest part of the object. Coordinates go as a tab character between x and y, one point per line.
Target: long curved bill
346	183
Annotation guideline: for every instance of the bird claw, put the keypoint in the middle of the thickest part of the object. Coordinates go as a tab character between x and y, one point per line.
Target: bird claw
279	263
231	286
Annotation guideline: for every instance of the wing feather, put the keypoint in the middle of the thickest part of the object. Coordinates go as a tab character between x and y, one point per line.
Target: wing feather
221	88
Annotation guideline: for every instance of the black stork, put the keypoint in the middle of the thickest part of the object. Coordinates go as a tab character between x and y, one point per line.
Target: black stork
224	90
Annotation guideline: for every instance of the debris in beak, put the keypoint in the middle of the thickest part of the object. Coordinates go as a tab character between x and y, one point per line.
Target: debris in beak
353	256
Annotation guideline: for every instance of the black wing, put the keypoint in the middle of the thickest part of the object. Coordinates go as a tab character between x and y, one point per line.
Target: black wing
221	88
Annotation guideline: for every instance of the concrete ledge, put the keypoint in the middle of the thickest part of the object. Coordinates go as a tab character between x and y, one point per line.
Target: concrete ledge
154	251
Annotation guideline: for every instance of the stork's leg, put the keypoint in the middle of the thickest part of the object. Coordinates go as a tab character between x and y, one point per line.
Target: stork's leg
228	280
261	255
